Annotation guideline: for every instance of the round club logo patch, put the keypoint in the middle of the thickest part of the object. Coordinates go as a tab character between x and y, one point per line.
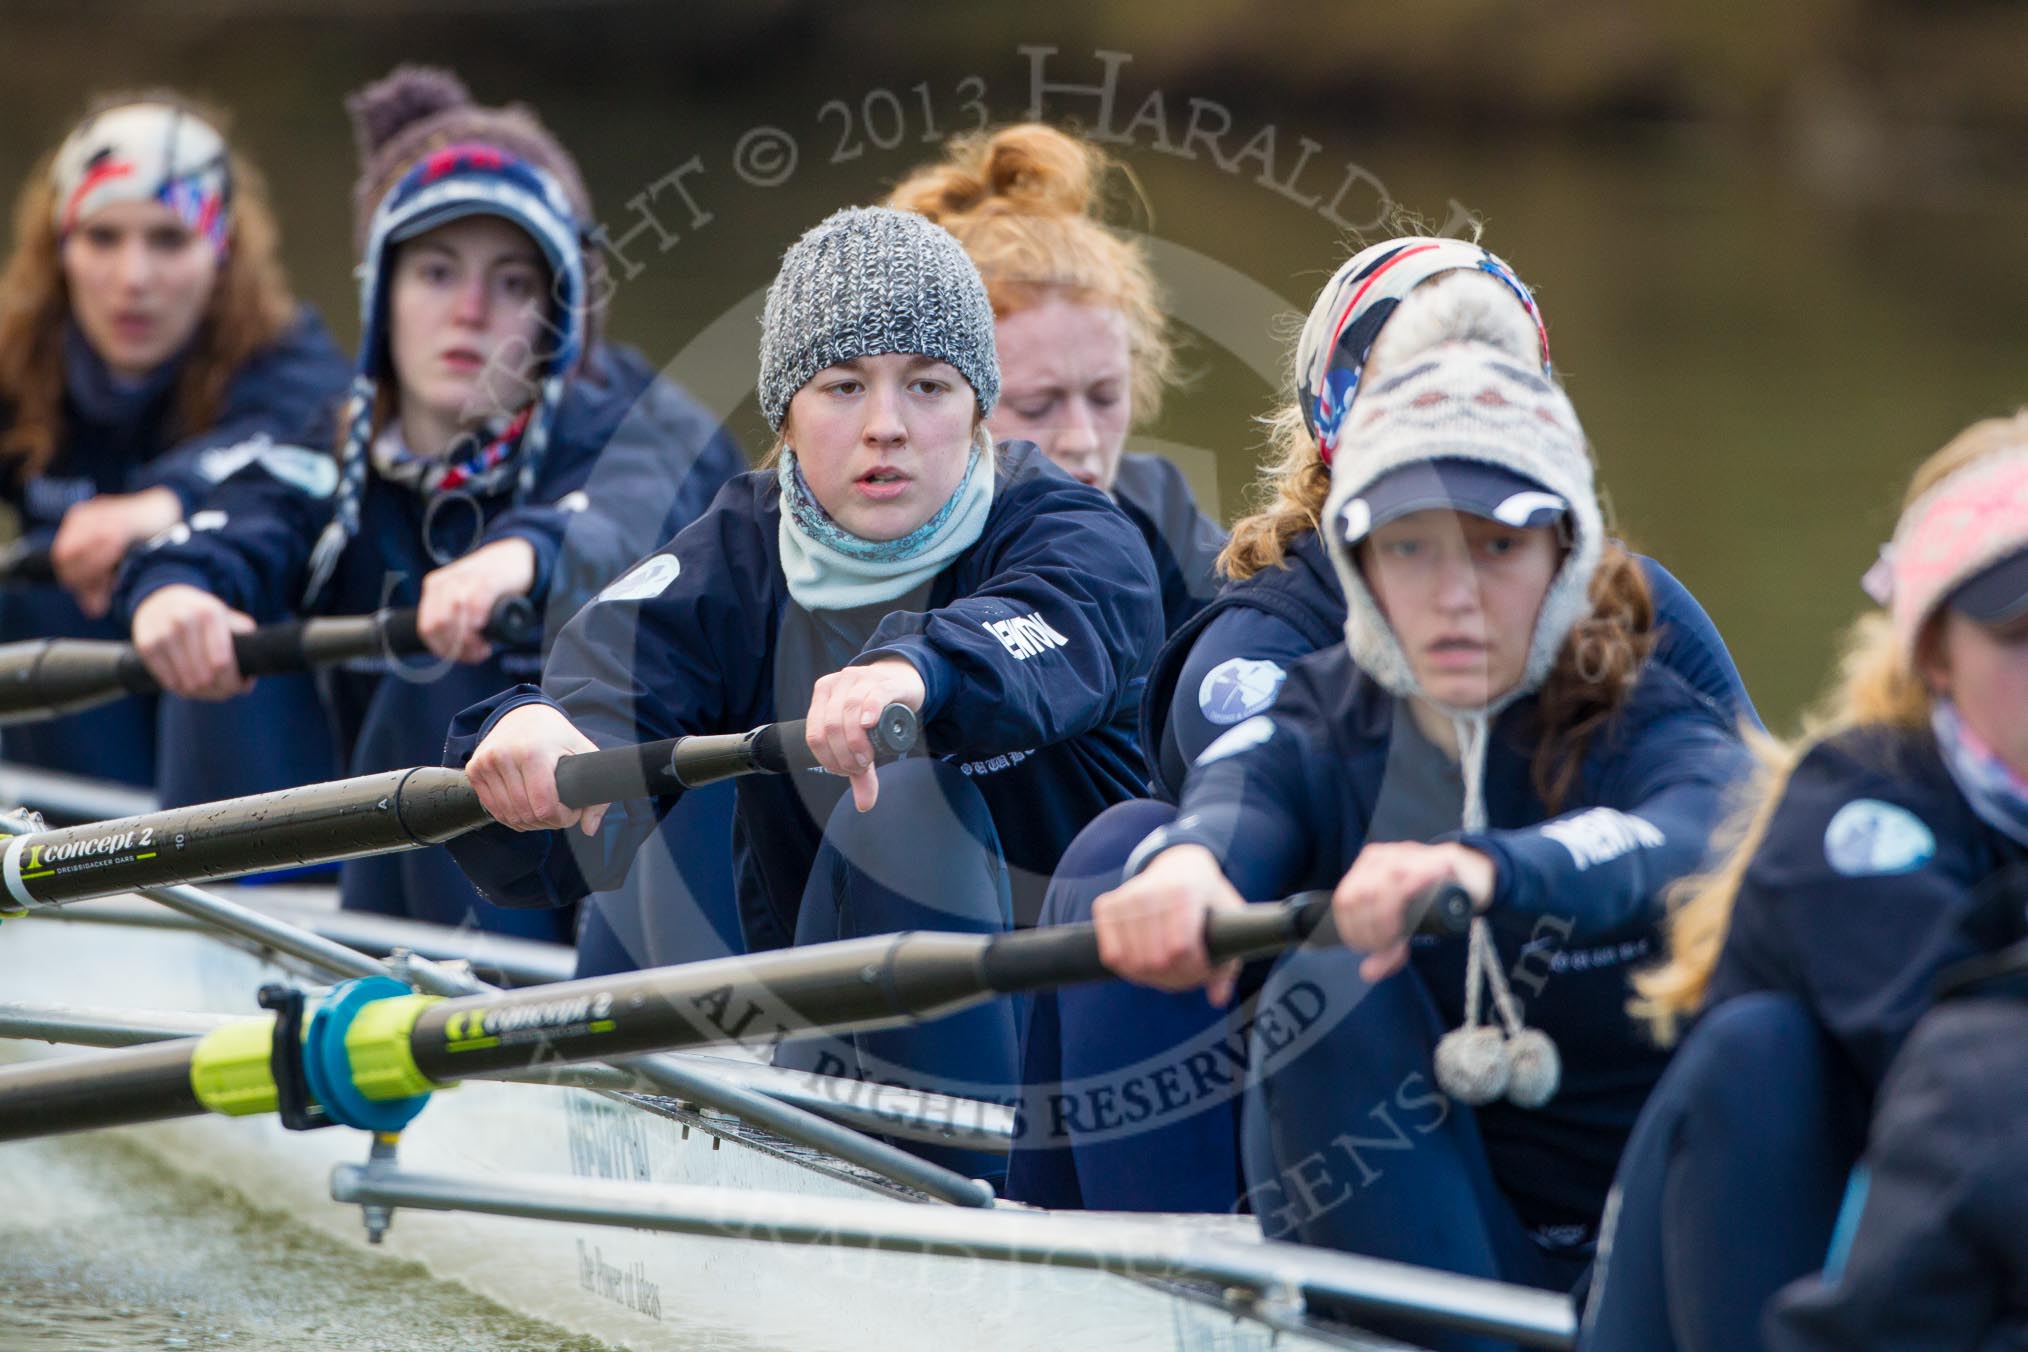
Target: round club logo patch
1869	838
650	577
1245	737
1237	688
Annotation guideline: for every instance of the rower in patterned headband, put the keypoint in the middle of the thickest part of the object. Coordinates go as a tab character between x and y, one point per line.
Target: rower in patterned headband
146	152
1350	311
147	331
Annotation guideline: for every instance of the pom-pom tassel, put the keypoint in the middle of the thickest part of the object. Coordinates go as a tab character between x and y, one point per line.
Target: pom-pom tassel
1536	1068
1472	1064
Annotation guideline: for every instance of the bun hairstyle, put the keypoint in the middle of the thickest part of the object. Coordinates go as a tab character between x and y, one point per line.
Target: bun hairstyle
251	305
1027	202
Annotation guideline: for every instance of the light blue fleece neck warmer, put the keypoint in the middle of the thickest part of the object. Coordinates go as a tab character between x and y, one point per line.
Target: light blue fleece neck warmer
829	568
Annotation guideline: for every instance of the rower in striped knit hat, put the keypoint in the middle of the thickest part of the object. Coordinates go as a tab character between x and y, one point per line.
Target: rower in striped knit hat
492	448
1492	718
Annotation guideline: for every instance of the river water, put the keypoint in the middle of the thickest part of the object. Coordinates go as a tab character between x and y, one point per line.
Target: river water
102	1248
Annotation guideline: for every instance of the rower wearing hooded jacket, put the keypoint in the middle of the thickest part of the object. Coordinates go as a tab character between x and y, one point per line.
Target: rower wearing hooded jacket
1495	699
1887	846
892	555
493	447
1386	306
148	329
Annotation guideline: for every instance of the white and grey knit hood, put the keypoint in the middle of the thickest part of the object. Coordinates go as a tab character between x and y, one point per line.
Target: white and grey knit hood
872	280
1469	401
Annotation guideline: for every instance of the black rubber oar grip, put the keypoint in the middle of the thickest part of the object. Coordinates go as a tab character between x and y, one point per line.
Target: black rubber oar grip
1059	955
618	775
779	747
513	623
1440	911
665	767
26	565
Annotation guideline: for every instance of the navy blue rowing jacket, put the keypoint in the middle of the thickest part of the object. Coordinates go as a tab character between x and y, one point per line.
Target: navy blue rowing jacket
1228	661
1032	645
1285	801
1182	540
1874	875
631	459
119	439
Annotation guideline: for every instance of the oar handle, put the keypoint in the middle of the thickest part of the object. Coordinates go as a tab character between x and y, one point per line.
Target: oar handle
513	623
302	645
1060	954
1442	910
26	564
665	767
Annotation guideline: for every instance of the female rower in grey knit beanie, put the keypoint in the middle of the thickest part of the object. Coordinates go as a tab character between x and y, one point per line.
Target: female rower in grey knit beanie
893	556
869	280
874	323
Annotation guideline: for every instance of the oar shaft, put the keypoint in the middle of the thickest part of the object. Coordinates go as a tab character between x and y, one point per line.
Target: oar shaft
751	1001
45	677
109	1089
315	824
350	818
301	645
1058	955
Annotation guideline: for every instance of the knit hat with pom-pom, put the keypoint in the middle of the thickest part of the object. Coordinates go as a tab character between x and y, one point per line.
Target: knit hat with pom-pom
417	109
429	156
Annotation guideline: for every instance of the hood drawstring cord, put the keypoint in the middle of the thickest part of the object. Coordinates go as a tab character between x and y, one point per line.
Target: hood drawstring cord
1477	1063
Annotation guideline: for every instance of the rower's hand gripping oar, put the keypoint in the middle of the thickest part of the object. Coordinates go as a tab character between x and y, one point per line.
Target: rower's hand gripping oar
41	678
595	777
373	814
1057	955
364	1050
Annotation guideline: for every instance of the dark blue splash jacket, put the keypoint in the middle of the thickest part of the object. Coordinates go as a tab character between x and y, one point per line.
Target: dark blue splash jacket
631	459
1032	645
1226	664
1874	875
123	439
1286	800
1183	541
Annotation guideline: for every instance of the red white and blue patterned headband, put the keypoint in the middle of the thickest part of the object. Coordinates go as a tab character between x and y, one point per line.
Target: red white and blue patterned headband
145	152
1355	304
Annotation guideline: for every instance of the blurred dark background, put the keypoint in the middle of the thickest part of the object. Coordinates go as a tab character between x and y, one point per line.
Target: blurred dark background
1777	245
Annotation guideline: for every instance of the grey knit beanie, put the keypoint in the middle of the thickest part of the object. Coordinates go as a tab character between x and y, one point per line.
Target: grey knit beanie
871	280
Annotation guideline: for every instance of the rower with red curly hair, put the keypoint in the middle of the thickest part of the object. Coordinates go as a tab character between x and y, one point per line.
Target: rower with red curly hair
146	328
